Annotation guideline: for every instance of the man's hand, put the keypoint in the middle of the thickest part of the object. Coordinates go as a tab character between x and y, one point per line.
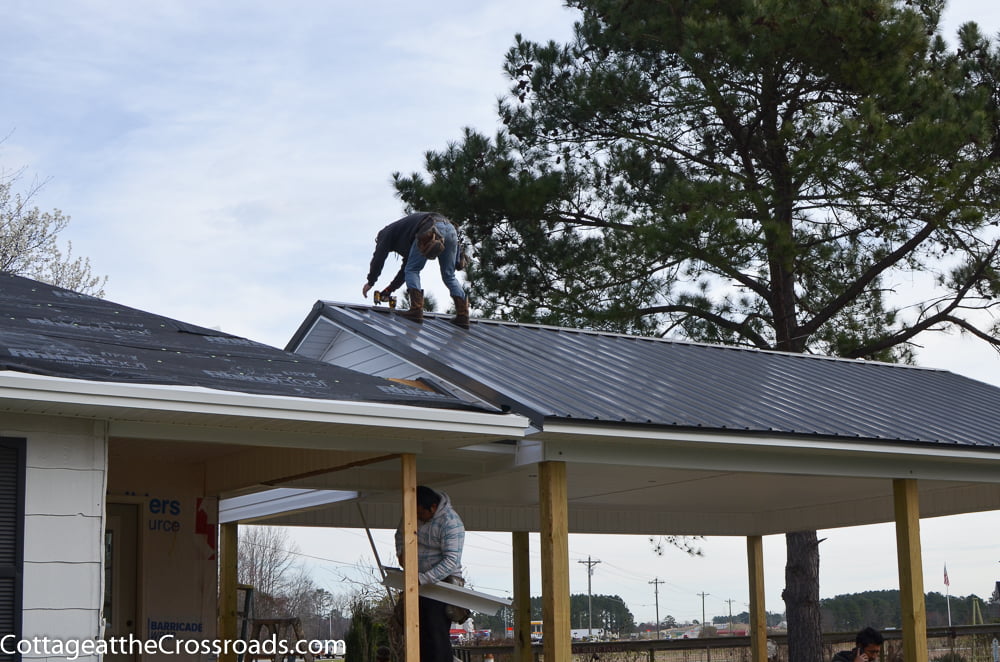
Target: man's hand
364	290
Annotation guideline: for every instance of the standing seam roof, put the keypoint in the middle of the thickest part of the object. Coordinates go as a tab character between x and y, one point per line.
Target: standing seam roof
560	373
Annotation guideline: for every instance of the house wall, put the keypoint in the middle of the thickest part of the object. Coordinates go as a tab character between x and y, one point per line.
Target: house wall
63	530
177	542
71	475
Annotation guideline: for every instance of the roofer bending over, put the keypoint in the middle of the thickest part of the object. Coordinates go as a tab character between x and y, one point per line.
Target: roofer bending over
420	237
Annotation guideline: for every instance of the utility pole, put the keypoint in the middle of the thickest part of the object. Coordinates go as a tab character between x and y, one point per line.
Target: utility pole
703	608
656	593
730	601
590	603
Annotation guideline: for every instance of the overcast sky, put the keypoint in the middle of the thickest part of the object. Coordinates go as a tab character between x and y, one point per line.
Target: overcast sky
228	163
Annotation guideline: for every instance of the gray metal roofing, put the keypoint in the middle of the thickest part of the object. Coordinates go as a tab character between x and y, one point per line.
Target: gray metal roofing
47	330
559	373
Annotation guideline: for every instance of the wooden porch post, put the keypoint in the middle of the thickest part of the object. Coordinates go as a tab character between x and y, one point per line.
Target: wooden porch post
411	589
556	638
522	597
228	561
911	579
758	615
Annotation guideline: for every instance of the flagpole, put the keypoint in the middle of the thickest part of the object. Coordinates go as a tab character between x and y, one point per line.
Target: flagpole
947	593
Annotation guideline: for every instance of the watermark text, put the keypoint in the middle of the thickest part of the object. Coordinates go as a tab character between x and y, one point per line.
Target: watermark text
168	644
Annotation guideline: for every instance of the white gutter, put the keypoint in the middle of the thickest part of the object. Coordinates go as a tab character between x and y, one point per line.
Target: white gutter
57	395
582	431
636	446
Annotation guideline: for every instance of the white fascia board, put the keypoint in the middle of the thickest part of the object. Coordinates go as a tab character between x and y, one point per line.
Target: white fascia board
107	397
277	501
822	456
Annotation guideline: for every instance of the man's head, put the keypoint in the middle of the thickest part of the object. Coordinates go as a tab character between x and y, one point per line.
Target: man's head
427	503
430	243
869	641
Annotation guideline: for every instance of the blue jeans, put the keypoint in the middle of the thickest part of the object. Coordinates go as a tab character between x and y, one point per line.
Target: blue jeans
416	261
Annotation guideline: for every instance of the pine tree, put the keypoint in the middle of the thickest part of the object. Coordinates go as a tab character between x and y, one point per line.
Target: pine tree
765	173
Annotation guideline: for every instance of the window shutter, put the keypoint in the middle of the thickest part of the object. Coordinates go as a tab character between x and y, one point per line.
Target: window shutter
12	463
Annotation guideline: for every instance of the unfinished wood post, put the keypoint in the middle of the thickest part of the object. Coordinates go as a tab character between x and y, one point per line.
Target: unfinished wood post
411	588
911	570
522	597
556	637
758	615
228	561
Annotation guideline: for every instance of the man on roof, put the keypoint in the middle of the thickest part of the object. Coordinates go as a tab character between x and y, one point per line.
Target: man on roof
419	237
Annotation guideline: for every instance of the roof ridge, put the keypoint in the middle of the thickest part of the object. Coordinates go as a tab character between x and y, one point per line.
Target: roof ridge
627	336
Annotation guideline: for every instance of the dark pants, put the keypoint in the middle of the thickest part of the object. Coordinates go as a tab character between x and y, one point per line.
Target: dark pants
435	632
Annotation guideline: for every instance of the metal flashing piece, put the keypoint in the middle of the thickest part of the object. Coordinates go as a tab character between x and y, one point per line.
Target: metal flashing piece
277	501
450	593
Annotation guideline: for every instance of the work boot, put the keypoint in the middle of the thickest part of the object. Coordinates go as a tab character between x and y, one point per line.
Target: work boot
461	312
416	310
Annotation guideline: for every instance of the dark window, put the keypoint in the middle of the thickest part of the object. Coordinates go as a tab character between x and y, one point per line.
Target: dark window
11	537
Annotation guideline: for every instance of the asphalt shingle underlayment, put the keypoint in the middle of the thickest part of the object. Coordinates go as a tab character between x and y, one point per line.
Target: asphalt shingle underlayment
47	330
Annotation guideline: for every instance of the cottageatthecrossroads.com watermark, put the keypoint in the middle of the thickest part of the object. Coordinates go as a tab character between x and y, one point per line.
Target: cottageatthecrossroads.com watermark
168	644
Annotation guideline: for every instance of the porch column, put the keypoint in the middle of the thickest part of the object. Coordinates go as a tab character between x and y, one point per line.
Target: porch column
228	561
522	597
758	614
411	589
911	578
556	642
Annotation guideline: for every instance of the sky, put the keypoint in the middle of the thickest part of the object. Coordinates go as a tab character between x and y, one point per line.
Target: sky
229	163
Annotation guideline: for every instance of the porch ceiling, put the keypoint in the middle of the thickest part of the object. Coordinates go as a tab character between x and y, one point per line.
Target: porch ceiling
704	493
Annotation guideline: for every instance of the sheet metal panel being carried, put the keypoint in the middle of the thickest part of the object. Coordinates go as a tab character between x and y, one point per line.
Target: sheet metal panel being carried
558	373
47	330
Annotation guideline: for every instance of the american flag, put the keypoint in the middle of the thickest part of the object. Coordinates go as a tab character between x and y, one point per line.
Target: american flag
946	582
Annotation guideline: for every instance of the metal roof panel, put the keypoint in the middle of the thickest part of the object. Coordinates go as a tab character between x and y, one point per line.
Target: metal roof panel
560	373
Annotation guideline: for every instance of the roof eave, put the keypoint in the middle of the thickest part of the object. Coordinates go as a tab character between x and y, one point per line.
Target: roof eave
35	394
640	445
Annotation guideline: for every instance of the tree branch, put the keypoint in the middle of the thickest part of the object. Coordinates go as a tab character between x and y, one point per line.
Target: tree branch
739	327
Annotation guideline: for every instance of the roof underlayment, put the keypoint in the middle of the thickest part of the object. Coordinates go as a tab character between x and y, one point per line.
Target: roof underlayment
47	330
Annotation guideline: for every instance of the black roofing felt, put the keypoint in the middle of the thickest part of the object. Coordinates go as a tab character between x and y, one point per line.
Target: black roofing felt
550	373
47	330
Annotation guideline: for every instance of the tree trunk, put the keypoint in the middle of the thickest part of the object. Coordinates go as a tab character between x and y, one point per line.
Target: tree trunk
801	596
